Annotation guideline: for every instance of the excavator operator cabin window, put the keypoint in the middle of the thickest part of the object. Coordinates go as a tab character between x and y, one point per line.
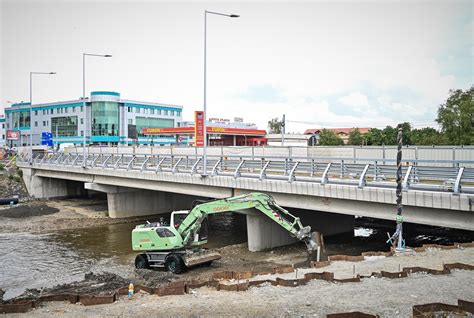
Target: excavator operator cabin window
164	232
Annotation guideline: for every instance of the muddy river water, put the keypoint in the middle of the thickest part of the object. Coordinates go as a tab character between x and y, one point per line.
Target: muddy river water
44	260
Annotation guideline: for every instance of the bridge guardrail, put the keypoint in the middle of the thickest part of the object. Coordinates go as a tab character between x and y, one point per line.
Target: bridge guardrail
456	177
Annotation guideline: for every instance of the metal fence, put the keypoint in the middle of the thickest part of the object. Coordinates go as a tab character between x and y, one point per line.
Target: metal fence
455	176
432	156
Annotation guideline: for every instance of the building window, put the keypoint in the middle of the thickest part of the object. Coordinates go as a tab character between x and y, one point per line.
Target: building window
3	136
159	111
137	110
21	120
36	113
36	124
65	109
105	119
82	133
44	123
129	109
130	121
178	113
82	121
3	126
152	112
64	126
44	111
73	109
144	122
166	113
82	108
172	112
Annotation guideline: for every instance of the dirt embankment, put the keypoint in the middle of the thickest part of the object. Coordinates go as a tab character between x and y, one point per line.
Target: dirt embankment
11	184
42	216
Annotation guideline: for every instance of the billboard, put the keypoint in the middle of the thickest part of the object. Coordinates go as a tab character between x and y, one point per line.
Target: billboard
199	128
13	134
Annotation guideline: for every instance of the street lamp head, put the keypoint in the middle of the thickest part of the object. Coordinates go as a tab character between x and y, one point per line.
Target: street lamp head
52	73
234	16
107	55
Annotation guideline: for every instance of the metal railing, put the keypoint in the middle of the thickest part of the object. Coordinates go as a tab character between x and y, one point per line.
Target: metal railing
455	177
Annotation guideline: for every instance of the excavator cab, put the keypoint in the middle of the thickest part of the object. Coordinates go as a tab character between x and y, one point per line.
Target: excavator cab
177	218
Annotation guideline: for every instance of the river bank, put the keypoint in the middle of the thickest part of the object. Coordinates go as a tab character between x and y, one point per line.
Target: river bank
373	295
70	245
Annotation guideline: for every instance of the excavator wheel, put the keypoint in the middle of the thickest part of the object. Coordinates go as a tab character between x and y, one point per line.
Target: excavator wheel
174	264
141	261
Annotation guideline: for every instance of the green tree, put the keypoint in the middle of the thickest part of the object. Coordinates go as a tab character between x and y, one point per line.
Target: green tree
355	137
427	137
374	137
456	117
275	126
329	138
406	130
389	135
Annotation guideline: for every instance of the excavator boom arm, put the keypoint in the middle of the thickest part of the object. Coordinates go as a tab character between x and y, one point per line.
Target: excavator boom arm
260	201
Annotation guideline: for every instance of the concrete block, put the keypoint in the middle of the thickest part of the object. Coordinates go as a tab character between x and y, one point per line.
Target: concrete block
263	234
436	197
347	193
464	203
446	201
427	199
352	193
145	202
299	187
389	196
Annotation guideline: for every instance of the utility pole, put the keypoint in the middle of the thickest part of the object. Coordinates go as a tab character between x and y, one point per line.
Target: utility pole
283	130
204	148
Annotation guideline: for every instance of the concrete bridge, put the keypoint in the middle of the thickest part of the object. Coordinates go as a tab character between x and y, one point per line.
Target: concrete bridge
325	193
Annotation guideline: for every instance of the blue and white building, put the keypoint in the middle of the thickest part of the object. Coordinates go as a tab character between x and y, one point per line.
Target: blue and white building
2	130
110	119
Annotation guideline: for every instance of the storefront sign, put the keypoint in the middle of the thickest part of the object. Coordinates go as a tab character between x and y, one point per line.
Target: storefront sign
13	134
199	128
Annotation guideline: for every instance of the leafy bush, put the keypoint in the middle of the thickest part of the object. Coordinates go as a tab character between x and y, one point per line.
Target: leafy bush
2	167
20	173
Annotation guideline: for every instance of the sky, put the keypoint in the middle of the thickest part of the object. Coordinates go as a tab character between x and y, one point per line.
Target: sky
321	63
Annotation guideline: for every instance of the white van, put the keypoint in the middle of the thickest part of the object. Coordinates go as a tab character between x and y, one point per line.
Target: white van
65	145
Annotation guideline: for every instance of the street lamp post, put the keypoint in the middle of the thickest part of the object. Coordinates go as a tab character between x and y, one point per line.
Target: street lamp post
84	101
31	109
204	150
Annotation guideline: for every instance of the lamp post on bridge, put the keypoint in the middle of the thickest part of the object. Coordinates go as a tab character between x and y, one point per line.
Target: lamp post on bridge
204	149
31	110
84	102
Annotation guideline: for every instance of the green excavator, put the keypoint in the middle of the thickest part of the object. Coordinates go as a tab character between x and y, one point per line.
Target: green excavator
178	245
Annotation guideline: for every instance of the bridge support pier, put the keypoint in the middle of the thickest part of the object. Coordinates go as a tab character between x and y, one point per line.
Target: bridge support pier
46	188
263	233
129	202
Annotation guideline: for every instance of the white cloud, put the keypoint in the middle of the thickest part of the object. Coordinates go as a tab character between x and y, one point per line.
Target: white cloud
354	52
356	101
